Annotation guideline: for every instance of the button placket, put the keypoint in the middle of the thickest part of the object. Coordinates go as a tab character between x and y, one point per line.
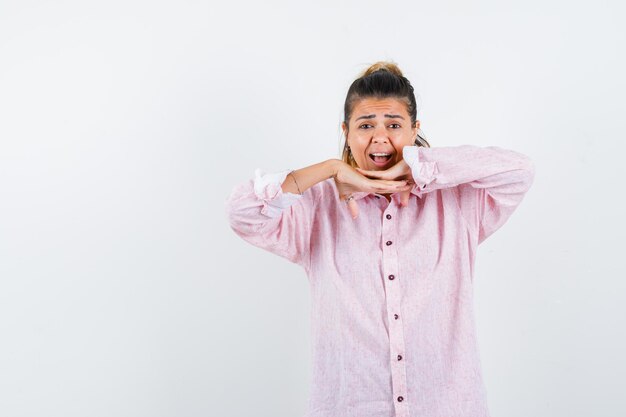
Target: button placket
393	285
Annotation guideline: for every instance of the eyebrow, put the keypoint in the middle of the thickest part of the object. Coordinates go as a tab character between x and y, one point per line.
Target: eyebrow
371	116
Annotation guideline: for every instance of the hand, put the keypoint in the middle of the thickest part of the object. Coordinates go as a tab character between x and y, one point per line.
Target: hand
400	171
349	180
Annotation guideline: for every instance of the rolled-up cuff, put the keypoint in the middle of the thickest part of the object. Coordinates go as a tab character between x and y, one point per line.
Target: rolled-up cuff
268	187
423	172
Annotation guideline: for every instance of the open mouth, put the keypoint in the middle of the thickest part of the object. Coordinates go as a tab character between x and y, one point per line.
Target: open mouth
380	159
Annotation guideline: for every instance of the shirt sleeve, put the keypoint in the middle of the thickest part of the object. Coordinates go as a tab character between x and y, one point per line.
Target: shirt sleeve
263	215
490	181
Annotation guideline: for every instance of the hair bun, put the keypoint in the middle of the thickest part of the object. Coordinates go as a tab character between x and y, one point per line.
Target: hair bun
383	66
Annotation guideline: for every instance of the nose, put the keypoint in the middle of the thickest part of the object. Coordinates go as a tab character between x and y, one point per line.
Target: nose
380	135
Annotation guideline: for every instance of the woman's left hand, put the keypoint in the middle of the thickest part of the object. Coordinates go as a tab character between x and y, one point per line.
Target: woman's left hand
400	171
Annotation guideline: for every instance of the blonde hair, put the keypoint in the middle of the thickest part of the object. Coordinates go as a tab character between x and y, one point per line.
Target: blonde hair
383	79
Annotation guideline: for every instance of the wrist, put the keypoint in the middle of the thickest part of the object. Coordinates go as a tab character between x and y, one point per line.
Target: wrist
332	167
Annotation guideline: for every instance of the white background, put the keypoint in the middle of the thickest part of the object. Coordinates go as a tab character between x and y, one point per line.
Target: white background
124	126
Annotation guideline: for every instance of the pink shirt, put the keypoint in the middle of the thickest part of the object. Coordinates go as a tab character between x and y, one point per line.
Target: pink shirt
393	330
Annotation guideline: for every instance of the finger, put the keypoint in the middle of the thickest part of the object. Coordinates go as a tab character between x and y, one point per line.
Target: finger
393	185
404	198
354	208
392	190
369	173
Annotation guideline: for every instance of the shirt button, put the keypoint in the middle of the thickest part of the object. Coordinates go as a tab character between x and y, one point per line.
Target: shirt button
400	398
389	216
399	357
388	242
391	277
395	316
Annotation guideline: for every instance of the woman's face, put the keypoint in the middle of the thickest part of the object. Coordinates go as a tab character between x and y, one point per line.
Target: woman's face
379	126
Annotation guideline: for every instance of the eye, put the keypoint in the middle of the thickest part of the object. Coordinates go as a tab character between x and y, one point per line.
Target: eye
396	124
364	124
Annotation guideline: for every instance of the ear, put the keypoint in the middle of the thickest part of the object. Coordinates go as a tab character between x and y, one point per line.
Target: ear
345	133
417	126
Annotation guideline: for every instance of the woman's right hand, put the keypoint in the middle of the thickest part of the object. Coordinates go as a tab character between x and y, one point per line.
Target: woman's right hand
348	180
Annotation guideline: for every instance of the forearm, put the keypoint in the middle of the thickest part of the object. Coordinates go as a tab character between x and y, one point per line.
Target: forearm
490	182
482	167
280	222
307	177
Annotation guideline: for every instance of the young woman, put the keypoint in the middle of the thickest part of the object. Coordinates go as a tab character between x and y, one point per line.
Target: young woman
388	236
